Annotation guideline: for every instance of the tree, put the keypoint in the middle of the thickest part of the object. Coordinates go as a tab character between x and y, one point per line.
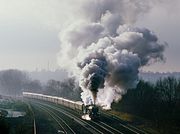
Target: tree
12	81
33	86
67	88
167	90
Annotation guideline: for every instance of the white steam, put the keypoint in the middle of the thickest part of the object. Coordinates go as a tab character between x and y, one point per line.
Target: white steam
104	52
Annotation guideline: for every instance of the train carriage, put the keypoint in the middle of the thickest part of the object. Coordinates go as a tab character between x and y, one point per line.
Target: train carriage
60	101
90	110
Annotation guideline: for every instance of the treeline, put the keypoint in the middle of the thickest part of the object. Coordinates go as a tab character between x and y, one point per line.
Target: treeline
14	82
159	102
67	88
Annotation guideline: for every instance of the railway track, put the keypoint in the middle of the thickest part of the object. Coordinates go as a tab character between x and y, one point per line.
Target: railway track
121	123
64	127
101	126
87	127
114	126
109	123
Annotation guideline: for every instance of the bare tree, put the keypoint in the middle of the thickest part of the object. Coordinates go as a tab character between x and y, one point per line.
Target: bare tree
12	81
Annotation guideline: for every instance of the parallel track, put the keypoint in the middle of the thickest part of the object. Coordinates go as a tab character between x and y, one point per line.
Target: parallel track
120	129
89	128
66	129
95	127
133	129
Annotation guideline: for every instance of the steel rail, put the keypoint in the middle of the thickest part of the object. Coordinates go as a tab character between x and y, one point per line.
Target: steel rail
127	126
54	119
78	120
55	115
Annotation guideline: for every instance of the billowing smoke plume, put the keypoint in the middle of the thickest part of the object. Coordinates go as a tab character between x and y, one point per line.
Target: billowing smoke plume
105	52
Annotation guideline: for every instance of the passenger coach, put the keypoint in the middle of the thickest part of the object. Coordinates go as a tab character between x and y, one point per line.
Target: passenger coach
90	111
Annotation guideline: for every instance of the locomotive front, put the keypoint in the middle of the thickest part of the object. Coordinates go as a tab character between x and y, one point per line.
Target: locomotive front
90	112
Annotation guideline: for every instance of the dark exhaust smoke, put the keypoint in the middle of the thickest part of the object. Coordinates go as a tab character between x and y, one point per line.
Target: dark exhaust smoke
105	52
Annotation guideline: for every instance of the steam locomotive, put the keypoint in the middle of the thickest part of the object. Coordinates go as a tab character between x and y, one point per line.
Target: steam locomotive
89	112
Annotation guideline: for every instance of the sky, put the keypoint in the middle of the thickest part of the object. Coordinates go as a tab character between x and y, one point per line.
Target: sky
164	20
30	30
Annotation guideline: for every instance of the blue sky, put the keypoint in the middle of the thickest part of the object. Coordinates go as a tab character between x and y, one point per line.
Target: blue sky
29	32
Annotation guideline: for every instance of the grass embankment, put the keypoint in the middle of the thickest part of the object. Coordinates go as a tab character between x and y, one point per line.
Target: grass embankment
137	121
149	124
16	125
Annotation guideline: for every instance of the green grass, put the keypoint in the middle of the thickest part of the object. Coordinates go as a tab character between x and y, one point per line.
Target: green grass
136	121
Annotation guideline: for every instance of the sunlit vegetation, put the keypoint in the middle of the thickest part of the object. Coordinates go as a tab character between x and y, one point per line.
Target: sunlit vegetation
158	103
